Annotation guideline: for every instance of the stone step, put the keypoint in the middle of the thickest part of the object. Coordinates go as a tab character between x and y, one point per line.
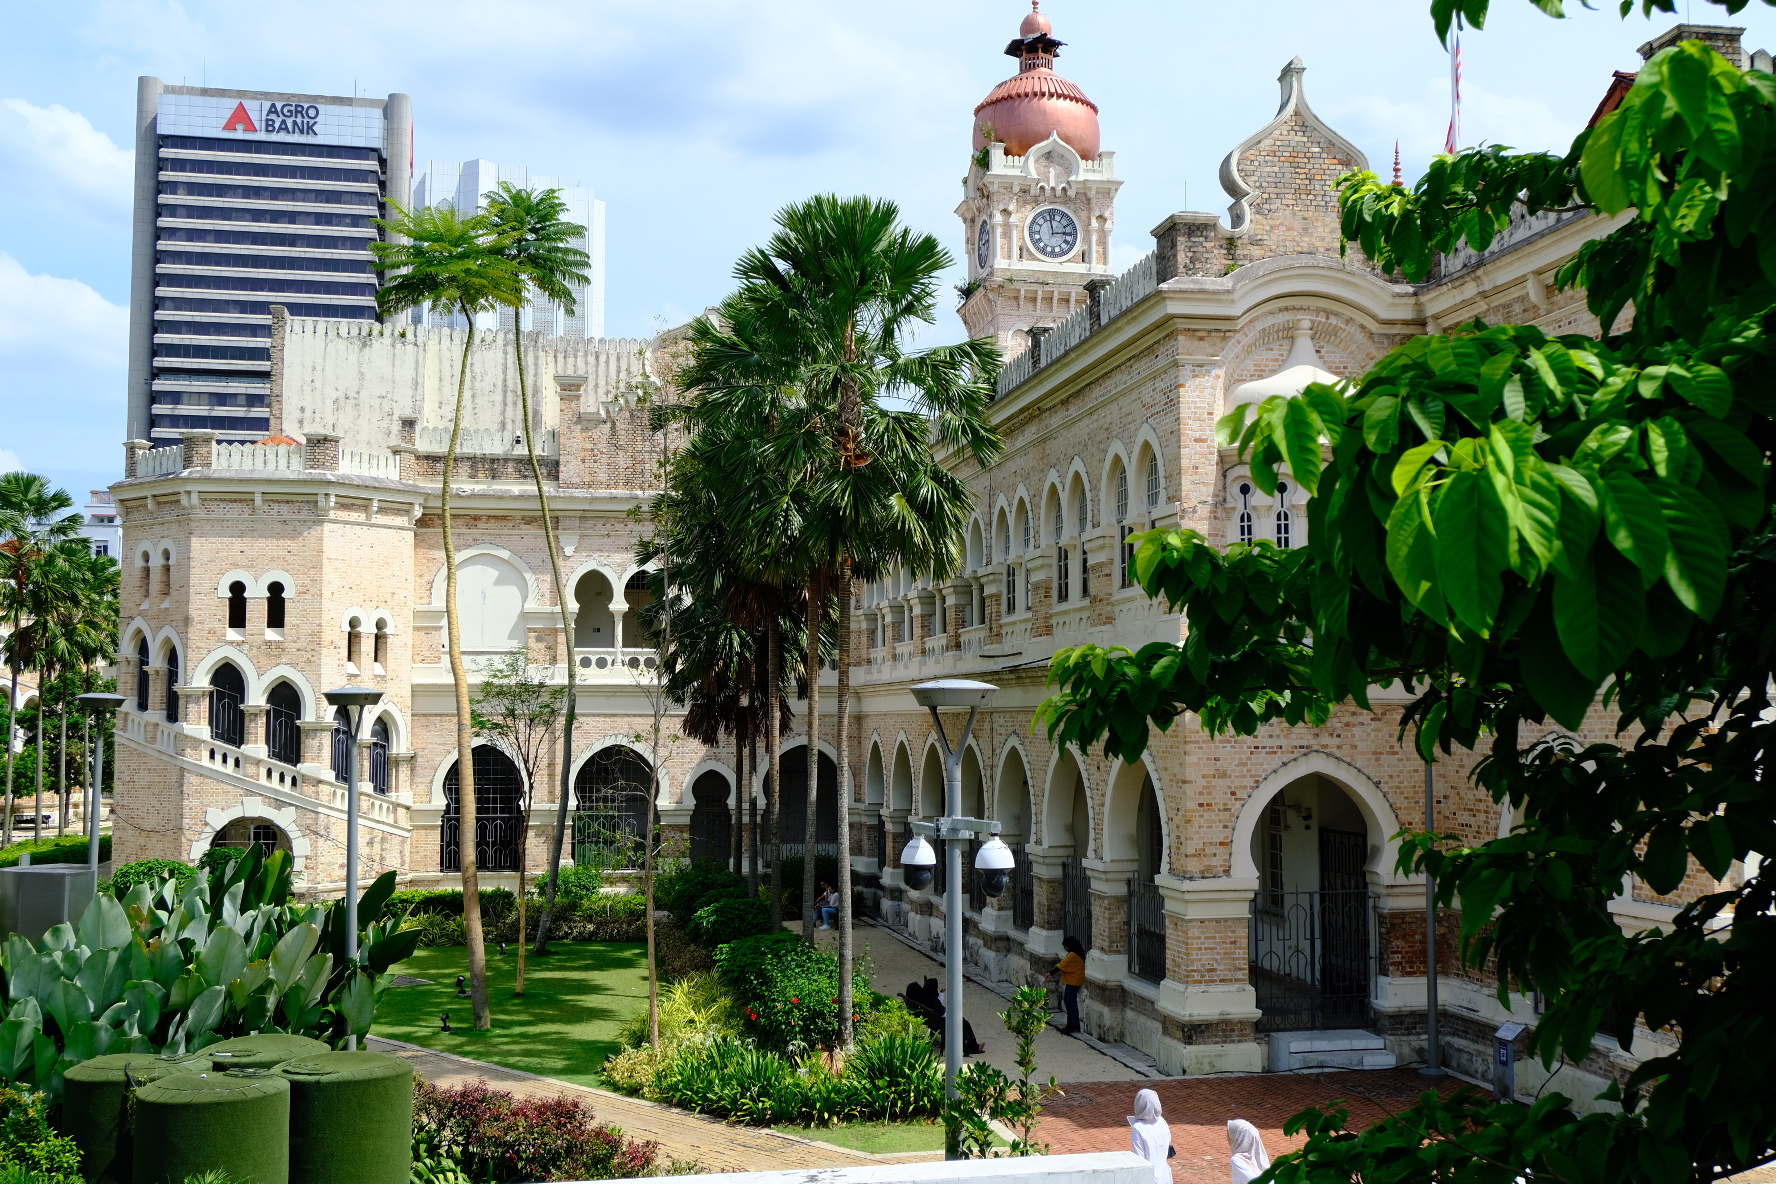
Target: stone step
1340	1049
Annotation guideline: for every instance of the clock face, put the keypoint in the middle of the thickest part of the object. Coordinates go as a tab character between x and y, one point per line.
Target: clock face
983	245
1054	233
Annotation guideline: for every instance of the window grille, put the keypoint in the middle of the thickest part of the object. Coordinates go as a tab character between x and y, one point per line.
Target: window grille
142	660
498	814
1152	482
1146	930
1076	910
1273	858
1026	532
1122	493
172	688
611	794
1062	572
379	757
1004	539
1060	519
1245	514
342	745
1081	512
227	689
283	724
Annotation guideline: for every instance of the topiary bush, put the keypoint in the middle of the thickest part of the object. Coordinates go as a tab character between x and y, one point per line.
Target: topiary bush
789	990
151	872
500	1139
728	919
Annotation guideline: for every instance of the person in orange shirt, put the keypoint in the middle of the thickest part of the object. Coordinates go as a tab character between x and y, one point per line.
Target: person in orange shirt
1072	971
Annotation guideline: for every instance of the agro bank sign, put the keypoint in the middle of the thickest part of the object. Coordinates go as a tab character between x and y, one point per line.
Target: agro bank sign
218	117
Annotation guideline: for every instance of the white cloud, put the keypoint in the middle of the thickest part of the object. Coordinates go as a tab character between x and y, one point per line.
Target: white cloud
47	321
52	150
9	461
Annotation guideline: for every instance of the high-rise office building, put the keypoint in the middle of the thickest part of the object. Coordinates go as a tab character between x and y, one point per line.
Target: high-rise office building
466	187
245	199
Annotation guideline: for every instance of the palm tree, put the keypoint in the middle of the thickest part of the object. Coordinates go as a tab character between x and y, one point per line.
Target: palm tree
537	241
33	520
452	263
848	285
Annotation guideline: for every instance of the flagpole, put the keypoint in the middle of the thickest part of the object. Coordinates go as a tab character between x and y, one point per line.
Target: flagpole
1452	141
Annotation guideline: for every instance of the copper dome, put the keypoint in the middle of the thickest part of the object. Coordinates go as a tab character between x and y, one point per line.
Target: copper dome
1026	109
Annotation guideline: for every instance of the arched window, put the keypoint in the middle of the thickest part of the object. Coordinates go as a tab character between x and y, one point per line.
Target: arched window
711	825
380	656
490	597
252	832
792	767
611	794
1063	576
166	573
1060	519
237	605
172	689
354	649
142	660
1011	596
1284	520
227	690
1121	483
1152	481
1081	513
283	724
379	757
147	565
274	605
498	814
341	742
1025	521
1245	512
1004	539
594	626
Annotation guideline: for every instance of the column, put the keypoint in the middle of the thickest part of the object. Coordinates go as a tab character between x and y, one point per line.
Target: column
317	747
1207	1005
253	719
320	452
1107	961
200	449
1049	925
194	706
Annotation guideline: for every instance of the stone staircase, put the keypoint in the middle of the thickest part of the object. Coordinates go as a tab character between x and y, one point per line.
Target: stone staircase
1348	1048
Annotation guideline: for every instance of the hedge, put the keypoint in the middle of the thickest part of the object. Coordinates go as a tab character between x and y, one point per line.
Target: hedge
63	849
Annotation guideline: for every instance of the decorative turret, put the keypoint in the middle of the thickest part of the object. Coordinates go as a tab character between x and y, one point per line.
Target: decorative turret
1025	110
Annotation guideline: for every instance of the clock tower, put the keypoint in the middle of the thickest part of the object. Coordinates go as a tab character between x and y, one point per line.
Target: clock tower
1038	203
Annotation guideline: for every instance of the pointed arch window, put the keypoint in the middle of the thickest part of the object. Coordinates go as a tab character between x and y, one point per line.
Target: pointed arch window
142	660
379	757
283	724
237	605
1152	481
227	689
1122	493
172	688
1245	512
1285	521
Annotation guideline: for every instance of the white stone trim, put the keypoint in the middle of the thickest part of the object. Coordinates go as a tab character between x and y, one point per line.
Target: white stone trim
253	807
1050	820
1378	814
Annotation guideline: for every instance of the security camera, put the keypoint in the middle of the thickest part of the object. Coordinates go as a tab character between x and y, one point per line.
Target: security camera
993	863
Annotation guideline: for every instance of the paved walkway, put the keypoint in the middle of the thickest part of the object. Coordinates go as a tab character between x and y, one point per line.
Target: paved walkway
713	1144
1093	1116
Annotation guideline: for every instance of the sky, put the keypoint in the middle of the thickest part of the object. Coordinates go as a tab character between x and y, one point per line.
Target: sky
696	121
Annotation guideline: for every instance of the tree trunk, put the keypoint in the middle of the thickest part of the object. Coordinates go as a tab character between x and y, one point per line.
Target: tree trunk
37	817
842	740
465	728
11	727
567	640
774	655
62	772
810	820
737	843
523	862
752	808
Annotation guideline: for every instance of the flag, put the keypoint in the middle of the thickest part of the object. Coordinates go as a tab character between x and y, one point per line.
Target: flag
1451	141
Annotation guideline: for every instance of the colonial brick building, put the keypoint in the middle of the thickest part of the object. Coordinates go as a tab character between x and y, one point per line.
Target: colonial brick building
1231	891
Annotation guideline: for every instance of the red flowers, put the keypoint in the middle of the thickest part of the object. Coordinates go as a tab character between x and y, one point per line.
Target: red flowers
794	999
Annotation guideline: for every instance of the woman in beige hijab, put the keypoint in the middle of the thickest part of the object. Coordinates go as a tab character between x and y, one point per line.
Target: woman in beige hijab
1249	1158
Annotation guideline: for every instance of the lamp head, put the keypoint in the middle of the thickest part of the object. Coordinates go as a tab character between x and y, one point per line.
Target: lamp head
954	692
100	701
917	859
993	863
353	696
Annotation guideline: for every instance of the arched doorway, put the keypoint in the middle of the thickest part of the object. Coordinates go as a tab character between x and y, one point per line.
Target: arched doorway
498	813
1011	806
252	832
1312	931
611	795
711	825
227	689
1066	824
793	768
379	757
283	724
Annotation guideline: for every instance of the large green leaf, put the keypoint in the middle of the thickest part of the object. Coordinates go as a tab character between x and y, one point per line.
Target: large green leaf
1696	564
357	1003
1412	555
68	1005
205	1011
223	958
1635	523
103	977
104	924
1472	535
291	953
1597	613
16	1055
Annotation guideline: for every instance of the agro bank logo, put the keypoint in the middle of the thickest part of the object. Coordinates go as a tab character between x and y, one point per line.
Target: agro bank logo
288	119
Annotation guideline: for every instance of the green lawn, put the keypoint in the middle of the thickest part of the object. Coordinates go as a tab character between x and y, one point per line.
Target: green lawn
564	1025
876	1138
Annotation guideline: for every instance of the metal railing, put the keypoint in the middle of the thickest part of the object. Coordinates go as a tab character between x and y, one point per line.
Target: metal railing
1146	930
1023	890
1076	909
1311	960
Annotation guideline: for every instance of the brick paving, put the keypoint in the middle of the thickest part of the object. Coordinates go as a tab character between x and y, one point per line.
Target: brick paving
1094	1114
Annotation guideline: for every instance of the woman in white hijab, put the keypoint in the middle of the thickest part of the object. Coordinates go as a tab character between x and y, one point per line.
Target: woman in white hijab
1150	1137
1250	1160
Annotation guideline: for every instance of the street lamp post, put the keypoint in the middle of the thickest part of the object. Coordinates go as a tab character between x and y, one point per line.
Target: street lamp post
101	705
919	857
349	698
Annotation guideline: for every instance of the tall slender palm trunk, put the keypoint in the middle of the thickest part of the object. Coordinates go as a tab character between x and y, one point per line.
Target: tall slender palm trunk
842	739
567	640
11	729
737	844
37	817
62	772
465	728
810	819
752	807
774	655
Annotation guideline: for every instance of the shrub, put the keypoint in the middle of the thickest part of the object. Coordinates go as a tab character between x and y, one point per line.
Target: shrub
898	1074
449	901
788	988
28	1143
440	929
789	880
676	956
499	1139
430	1165
634	1070
728	919
684	888
218	858
606	917
54	849
151	872
696	1007
734	1080
578	885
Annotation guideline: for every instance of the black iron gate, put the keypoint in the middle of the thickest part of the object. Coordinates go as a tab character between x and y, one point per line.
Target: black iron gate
498	814
1076	909
1310	951
1146	930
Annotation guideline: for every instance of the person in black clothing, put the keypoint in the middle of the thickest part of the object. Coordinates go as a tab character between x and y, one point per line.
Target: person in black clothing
931	1009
